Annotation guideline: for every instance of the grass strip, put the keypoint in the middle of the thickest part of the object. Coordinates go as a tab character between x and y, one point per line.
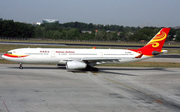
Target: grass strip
147	64
134	64
82	42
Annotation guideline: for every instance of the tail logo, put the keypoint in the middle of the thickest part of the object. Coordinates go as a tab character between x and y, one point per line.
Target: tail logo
159	37
155	44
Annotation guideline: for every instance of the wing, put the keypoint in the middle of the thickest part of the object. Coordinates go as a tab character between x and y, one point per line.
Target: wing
99	60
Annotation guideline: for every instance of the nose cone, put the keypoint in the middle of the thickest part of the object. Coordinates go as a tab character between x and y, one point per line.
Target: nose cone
3	56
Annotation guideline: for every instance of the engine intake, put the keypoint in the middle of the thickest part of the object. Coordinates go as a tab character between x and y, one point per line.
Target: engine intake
72	65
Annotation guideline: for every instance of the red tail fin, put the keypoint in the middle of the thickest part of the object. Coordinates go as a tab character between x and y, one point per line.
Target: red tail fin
154	46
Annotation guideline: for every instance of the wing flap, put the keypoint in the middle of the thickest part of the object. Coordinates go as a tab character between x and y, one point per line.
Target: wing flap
104	58
99	60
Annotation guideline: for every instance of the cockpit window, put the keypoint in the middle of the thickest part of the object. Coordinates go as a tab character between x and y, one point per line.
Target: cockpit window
9	53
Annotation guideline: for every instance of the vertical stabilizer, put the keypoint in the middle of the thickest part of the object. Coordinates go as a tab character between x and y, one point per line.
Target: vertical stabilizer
154	46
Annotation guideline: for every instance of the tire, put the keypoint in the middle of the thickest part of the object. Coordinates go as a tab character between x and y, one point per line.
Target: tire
21	67
95	69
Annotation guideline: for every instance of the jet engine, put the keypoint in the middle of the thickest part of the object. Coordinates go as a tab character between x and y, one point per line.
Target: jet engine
72	65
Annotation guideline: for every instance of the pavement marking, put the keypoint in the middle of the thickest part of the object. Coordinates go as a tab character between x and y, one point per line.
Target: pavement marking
156	99
6	106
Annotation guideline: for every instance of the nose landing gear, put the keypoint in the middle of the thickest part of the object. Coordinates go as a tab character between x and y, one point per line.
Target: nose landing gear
20	66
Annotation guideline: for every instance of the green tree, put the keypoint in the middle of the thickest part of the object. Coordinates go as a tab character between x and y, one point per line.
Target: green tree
56	35
109	36
100	35
1	23
39	31
48	34
178	36
145	33
90	26
172	32
8	28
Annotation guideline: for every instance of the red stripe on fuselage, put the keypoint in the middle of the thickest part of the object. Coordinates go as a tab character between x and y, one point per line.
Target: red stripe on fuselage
15	56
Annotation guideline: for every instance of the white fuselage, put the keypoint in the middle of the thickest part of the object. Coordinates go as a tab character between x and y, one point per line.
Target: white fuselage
61	56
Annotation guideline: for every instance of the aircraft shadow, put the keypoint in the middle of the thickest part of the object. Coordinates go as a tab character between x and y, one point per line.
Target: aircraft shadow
117	71
140	68
168	56
39	67
137	69
105	70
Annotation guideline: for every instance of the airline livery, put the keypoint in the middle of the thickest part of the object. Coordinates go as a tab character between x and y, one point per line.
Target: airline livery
88	58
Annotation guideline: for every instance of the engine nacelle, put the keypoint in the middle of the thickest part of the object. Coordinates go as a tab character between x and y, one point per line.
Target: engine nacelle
72	65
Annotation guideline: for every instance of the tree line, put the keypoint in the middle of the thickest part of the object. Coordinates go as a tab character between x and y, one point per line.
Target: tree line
81	31
9	28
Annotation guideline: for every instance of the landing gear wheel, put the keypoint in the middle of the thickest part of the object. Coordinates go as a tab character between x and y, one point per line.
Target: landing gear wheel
91	68
20	66
95	69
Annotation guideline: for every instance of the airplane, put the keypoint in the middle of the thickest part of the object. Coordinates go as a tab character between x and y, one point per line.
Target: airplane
86	59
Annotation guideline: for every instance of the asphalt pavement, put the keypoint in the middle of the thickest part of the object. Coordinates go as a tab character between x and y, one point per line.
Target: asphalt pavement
46	88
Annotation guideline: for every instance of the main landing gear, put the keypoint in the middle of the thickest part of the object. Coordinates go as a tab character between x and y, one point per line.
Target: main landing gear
94	69
20	66
89	68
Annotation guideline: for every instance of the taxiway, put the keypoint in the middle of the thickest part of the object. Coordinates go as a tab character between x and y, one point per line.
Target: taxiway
45	88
